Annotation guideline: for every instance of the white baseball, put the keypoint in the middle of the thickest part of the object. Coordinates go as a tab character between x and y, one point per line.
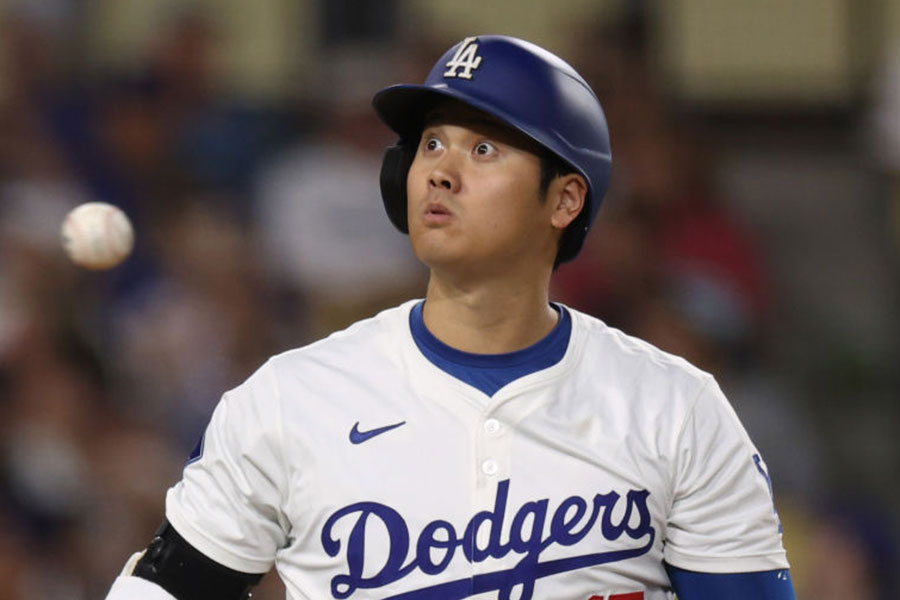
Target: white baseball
97	235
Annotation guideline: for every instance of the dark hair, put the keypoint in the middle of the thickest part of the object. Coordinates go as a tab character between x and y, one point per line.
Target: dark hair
552	167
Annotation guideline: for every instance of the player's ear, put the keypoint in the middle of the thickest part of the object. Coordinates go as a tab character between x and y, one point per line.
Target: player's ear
567	193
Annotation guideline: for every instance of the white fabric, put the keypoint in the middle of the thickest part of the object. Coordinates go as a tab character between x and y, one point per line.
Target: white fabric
134	588
604	465
132	562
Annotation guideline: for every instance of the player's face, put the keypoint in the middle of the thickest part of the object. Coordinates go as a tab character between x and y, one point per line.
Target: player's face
474	195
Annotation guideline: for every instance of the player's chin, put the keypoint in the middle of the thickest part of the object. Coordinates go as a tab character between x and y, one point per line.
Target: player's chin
435	247
424	229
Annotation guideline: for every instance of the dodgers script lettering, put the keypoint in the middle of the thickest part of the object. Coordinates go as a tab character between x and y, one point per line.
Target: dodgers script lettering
528	534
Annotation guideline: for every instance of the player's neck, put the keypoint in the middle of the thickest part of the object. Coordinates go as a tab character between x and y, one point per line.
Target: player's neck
488	319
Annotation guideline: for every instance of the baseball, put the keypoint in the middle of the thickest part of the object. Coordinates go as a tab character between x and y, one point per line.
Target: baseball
97	235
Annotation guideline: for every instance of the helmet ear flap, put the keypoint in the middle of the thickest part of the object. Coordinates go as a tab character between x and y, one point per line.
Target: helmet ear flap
394	169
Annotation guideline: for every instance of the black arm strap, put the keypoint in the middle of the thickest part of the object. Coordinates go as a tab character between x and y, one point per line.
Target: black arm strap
183	571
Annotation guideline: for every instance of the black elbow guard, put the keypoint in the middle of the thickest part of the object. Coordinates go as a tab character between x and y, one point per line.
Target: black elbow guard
173	564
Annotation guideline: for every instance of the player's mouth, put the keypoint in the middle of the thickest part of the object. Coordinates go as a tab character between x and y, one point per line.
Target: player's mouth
436	214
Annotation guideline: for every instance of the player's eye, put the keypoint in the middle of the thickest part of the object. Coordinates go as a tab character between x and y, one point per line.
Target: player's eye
432	143
485	149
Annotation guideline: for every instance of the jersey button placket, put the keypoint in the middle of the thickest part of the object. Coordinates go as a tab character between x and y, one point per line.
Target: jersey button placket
493	467
493	448
490	467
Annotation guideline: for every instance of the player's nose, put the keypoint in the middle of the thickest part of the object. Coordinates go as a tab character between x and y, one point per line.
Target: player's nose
445	174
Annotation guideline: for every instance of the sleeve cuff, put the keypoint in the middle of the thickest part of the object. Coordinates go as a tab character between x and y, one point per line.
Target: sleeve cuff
211	550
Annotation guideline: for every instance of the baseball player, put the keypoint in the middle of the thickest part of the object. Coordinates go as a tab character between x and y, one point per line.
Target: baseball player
484	442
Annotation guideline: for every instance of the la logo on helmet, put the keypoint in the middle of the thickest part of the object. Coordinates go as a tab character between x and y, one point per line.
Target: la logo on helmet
465	58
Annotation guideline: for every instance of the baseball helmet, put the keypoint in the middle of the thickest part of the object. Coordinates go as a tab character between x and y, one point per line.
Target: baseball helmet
524	86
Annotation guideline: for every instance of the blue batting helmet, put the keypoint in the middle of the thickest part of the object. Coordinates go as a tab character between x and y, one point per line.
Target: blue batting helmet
526	87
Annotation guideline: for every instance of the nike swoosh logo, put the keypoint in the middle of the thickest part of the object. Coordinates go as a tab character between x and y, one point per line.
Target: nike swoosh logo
358	437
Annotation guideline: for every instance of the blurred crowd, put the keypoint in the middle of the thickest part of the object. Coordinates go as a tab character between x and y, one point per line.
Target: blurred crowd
259	227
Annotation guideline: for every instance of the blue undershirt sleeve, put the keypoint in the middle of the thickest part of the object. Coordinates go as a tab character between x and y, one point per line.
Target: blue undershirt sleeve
761	585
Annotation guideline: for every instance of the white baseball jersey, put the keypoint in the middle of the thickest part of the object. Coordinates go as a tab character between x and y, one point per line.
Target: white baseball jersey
361	470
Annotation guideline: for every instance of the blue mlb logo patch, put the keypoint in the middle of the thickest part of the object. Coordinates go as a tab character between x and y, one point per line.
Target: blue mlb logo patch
197	452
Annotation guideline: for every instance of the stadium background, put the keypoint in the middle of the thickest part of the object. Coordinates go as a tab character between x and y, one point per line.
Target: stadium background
753	226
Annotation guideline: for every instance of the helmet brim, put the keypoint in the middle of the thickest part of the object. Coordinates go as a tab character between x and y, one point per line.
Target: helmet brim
404	107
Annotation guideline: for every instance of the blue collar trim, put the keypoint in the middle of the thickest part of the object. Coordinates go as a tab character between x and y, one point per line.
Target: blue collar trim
490	372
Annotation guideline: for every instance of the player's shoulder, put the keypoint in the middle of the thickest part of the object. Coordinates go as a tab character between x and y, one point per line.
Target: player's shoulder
627	355
367	339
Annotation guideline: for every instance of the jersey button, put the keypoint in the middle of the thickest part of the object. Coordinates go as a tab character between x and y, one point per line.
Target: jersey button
489	467
492	426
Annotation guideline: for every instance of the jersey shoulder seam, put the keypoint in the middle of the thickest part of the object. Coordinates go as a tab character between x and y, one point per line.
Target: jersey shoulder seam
635	345
276	386
688	415
380	324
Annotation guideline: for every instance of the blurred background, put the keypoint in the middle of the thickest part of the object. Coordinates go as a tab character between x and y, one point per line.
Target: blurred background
753	226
